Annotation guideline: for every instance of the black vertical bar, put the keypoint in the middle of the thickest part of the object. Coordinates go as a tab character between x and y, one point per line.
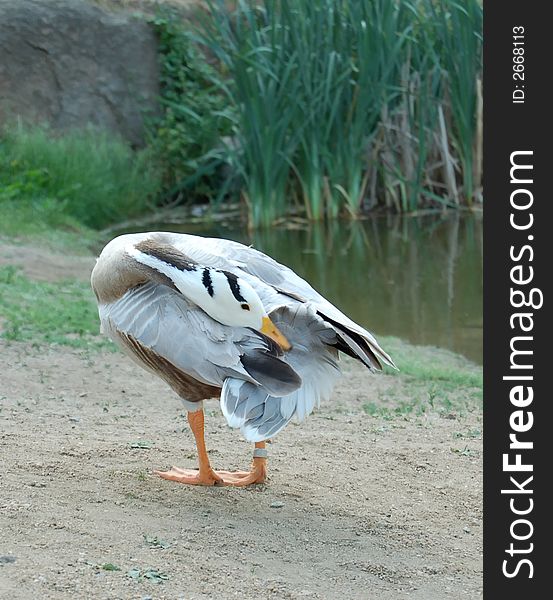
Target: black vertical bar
517	118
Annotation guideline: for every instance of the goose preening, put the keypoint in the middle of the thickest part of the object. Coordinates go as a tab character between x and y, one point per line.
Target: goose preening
215	318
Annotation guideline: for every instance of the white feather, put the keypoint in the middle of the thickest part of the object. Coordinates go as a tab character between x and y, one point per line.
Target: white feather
260	415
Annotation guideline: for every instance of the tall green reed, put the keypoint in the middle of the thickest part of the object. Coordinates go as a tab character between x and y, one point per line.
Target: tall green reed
256	50
457	29
345	105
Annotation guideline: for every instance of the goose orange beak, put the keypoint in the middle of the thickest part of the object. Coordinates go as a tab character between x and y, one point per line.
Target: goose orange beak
272	331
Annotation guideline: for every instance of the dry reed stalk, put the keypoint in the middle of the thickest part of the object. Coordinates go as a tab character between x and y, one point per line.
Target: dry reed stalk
449	174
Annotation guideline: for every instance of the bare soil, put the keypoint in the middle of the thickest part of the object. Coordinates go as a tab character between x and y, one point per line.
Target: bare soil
356	506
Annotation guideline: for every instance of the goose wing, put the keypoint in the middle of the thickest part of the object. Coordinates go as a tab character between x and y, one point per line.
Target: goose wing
256	268
260	415
181	335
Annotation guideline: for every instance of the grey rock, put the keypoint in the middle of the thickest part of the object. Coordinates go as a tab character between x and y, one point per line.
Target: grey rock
70	63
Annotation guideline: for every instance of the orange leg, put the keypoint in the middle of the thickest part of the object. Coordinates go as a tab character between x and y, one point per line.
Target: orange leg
257	473
206	475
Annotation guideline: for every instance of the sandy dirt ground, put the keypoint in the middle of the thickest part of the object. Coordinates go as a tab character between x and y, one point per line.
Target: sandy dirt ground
356	506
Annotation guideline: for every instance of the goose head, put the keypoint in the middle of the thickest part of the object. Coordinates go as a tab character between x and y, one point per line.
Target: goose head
239	305
223	295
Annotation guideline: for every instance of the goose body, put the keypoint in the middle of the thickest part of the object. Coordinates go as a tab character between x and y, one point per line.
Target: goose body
215	318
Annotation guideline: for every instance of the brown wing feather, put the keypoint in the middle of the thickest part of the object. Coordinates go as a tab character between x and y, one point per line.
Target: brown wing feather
185	386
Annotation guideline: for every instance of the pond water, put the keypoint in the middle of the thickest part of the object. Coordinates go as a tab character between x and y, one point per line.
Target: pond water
417	278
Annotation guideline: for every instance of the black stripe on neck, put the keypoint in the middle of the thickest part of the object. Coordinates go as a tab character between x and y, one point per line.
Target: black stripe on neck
208	283
234	286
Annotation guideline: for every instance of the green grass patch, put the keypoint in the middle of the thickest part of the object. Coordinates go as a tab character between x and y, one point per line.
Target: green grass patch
19	226
429	380
84	178
432	365
48	313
